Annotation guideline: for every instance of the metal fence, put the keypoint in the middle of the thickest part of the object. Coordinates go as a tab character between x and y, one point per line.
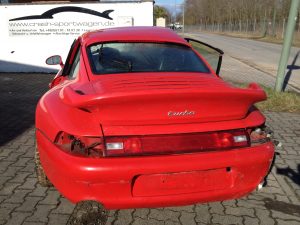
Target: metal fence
251	28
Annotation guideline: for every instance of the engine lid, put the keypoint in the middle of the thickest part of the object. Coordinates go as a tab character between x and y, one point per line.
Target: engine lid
143	99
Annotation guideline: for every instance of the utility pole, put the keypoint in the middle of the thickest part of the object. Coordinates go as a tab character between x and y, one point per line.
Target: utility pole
183	8
288	39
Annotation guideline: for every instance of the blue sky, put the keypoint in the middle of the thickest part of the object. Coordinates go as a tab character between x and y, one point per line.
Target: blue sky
168	1
170	4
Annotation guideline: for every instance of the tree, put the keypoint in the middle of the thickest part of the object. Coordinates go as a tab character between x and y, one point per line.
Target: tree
160	11
234	12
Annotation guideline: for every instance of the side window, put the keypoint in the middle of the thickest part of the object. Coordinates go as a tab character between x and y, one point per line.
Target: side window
212	55
75	66
67	66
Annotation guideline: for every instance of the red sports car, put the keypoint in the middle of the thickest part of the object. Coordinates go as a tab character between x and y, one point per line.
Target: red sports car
137	117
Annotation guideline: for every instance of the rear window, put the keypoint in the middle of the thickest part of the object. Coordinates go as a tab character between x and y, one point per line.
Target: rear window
107	58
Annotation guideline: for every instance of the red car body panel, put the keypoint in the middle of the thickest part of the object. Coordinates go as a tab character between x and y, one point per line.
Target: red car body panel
142	95
143	104
141	34
115	181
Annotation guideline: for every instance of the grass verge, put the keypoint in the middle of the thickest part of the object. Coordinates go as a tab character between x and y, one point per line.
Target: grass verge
278	101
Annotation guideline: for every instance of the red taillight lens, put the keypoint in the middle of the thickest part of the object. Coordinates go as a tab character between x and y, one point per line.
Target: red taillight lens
175	143
123	145
80	145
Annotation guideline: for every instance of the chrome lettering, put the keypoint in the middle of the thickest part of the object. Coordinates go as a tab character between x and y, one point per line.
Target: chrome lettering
183	113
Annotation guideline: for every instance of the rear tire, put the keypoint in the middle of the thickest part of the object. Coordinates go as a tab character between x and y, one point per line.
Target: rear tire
40	173
88	213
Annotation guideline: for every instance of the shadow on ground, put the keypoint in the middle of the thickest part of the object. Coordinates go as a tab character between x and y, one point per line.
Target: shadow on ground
19	94
290	68
14	67
286	208
290	173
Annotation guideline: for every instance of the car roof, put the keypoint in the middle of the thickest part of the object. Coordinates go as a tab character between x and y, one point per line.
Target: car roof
132	34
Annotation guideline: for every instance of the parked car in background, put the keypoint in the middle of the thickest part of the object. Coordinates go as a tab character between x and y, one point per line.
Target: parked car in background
178	26
138	117
175	26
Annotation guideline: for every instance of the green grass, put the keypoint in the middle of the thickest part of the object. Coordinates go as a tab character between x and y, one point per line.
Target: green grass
278	101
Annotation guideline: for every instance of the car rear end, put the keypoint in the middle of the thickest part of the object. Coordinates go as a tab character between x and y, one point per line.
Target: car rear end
127	175
153	127
215	148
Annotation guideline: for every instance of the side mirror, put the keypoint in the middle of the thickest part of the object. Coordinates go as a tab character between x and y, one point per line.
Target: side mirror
55	60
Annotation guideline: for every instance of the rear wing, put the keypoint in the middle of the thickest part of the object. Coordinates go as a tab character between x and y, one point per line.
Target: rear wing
198	46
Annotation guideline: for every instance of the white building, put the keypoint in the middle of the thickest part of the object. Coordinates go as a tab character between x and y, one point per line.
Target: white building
33	31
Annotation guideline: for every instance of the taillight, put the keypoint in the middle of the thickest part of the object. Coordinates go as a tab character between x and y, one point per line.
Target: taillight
123	145
175	143
259	135
80	145
156	144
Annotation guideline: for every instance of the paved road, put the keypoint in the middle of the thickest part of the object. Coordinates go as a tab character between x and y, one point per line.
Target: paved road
24	201
260	55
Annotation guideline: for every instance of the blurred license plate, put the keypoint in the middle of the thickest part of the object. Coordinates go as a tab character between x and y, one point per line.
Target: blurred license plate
182	183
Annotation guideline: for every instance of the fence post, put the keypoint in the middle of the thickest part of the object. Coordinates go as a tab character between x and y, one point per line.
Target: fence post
265	29
283	28
274	21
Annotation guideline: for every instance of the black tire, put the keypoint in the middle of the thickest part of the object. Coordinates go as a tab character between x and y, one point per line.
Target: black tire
40	173
88	213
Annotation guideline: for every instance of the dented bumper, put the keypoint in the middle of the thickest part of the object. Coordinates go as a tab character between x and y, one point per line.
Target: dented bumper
156	181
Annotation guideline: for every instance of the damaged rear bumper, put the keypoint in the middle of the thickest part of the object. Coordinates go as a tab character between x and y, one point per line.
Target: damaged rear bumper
156	181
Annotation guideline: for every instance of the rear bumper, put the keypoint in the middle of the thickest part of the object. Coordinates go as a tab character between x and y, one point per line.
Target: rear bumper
122	182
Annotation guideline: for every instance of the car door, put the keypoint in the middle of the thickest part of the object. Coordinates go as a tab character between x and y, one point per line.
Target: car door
212	54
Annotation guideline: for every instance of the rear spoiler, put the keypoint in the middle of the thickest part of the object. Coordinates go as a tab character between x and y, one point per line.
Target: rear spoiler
76	98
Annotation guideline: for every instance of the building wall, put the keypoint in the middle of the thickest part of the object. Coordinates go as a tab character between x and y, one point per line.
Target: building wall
40	1
28	36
